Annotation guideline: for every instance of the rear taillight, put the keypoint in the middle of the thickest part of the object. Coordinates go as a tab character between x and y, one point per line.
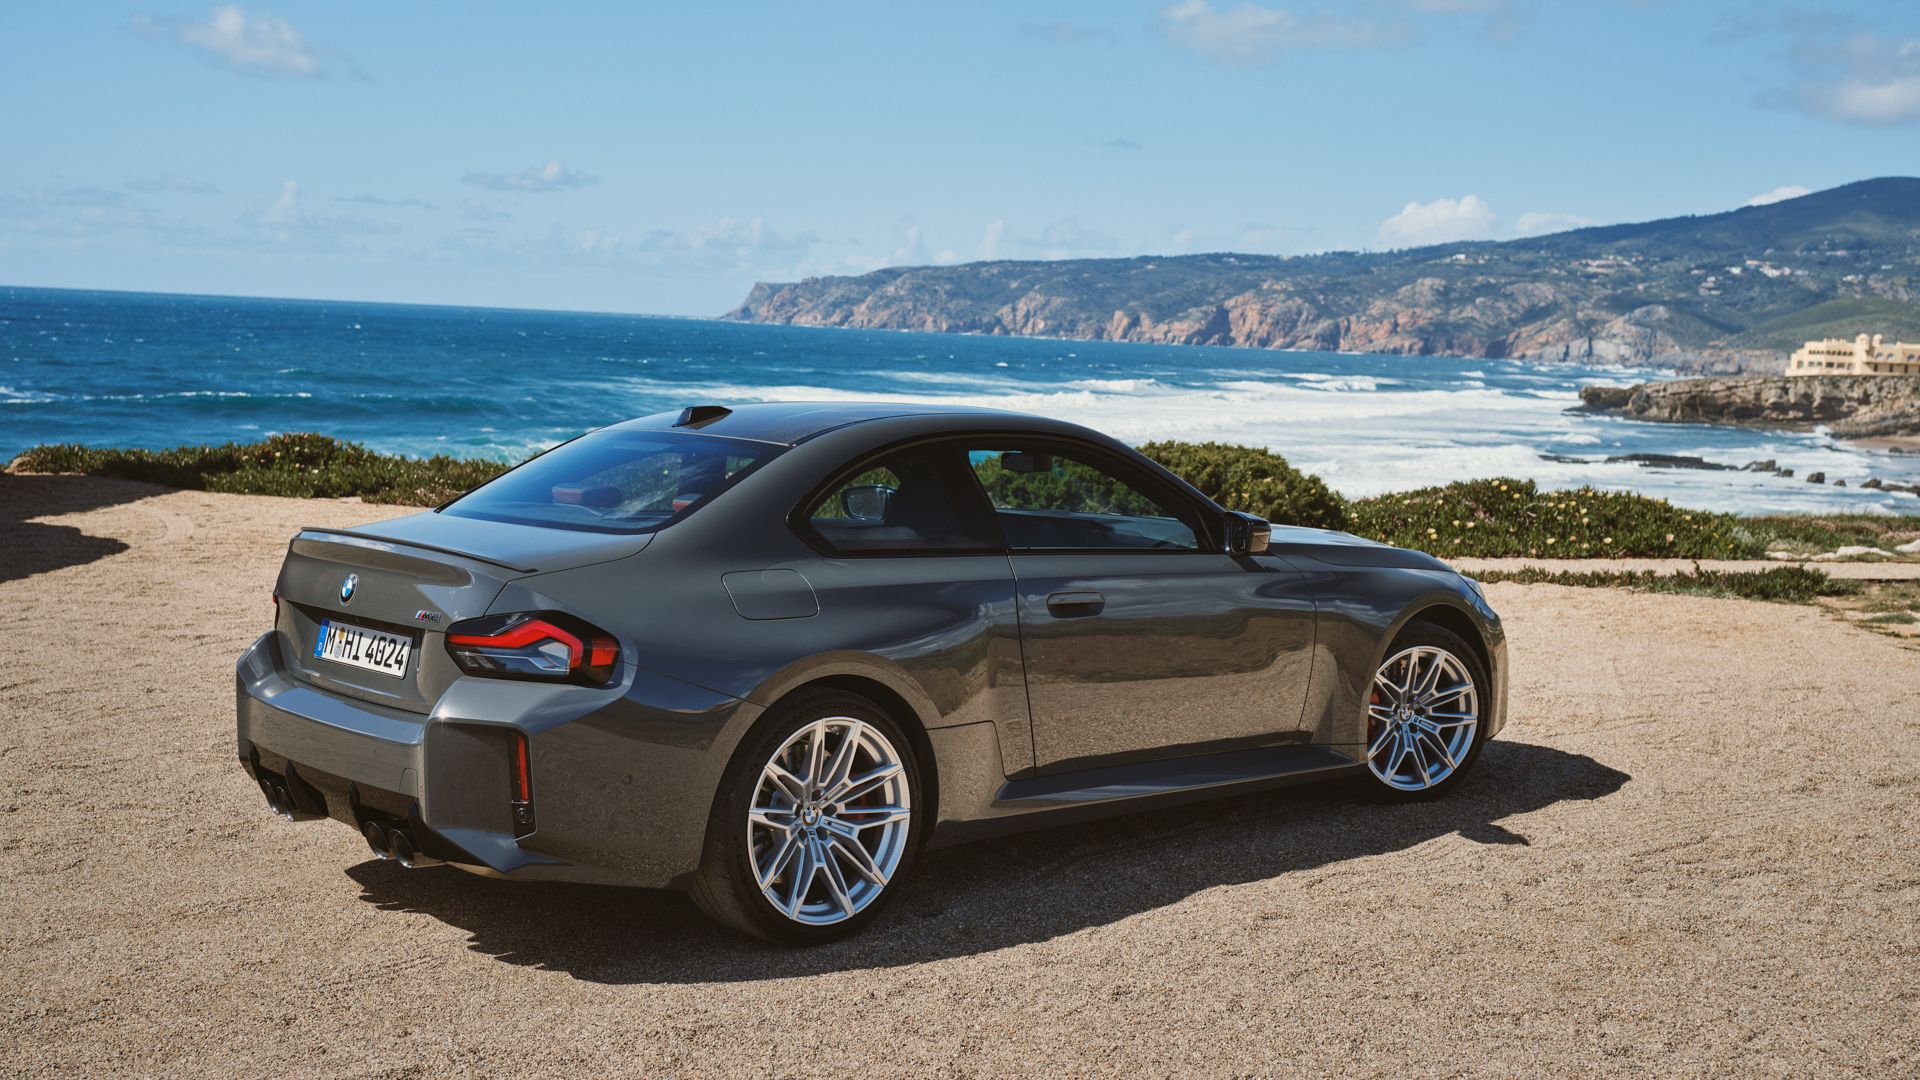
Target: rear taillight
534	645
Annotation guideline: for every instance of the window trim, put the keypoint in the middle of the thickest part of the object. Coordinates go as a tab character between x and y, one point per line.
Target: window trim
801	523
1142	479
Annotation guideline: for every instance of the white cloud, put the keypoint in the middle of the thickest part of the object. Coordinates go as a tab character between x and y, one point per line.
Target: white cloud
1503	19
1540	223
284	220
1885	100
1849	72
990	240
283	208
1779	194
1438	222
1251	34
78	214
1181	241
534	179
253	44
911	250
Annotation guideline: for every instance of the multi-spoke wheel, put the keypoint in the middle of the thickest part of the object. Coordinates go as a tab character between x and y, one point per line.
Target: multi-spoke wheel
1423	713
815	822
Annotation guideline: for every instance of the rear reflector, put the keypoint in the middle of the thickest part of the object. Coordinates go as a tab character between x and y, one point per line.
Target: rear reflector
520	780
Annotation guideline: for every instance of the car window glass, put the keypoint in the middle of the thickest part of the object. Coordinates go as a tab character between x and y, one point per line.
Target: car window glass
615	480
917	499
1048	499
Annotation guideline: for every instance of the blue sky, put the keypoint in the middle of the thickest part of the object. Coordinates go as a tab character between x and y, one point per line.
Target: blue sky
663	157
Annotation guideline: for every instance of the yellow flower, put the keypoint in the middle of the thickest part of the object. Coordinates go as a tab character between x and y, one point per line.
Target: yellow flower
1606	539
1669	538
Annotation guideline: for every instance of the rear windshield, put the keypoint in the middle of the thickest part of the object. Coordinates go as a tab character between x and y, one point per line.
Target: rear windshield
615	481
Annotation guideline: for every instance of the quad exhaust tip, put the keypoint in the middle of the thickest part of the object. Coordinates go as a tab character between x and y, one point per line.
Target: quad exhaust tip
377	839
395	844
279	800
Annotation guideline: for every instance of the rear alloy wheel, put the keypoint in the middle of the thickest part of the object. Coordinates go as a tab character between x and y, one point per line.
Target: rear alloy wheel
815	824
1423	714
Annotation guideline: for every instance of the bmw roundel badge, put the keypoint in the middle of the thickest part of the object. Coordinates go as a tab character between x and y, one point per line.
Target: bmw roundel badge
347	587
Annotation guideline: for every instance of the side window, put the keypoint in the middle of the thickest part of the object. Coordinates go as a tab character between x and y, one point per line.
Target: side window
913	500
1050	497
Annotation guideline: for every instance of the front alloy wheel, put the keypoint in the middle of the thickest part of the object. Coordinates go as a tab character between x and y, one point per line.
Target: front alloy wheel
1423	714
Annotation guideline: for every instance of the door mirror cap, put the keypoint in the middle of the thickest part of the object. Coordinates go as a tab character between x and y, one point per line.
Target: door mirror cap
1247	534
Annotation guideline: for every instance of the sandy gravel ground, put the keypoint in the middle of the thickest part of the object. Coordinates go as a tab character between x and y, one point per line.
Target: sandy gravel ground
1693	852
1863	570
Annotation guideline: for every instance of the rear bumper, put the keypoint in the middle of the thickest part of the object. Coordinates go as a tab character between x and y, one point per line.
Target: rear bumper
623	778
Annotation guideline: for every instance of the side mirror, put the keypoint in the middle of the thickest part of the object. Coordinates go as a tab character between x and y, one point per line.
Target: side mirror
866	502
1247	534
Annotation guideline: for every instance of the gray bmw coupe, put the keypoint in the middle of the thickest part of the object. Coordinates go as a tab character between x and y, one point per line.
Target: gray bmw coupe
767	654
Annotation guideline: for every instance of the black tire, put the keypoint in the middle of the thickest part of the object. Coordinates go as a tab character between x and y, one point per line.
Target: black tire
1430	635
725	887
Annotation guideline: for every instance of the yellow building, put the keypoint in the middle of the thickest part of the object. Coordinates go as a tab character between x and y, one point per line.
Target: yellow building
1862	356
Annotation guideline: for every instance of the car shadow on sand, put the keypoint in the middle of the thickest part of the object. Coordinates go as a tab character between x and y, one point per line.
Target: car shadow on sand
989	895
29	547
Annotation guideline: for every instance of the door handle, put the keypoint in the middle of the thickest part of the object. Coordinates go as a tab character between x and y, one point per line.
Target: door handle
1072	605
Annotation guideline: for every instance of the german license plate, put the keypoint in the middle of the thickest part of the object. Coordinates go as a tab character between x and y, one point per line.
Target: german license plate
357	646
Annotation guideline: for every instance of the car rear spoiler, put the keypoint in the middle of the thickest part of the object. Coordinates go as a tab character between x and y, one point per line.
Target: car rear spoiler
373	540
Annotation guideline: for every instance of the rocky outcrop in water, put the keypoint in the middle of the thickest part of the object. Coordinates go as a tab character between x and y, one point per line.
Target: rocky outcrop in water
1851	406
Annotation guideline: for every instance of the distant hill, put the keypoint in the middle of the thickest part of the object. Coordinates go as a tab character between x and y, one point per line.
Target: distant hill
1732	291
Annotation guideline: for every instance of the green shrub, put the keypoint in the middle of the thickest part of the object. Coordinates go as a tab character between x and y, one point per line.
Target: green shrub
1812	534
1253	480
297	465
1506	517
1785	584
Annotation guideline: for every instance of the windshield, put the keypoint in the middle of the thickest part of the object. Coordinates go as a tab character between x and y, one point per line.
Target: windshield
615	481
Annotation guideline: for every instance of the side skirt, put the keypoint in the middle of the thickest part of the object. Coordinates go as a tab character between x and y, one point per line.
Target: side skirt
1062	798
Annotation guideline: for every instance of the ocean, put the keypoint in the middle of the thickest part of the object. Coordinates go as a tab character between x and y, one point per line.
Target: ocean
152	370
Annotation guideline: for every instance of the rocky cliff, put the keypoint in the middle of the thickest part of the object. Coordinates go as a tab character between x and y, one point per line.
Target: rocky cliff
1851	406
1733	291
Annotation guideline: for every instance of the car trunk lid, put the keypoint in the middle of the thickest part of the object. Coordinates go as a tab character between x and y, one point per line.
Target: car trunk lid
412	578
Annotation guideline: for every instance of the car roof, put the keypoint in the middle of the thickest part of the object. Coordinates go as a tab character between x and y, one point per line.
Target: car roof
793	422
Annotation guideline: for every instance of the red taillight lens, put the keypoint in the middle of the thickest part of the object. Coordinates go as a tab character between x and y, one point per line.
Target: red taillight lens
534	645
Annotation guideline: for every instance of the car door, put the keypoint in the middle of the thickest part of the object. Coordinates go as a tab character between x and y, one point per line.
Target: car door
1142	637
916	573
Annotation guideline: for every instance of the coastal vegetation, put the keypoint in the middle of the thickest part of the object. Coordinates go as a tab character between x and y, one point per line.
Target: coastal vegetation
298	465
1781	584
1255	480
1492	518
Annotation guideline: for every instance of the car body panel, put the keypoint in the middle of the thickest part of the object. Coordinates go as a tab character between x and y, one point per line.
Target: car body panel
1134	655
1224	673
